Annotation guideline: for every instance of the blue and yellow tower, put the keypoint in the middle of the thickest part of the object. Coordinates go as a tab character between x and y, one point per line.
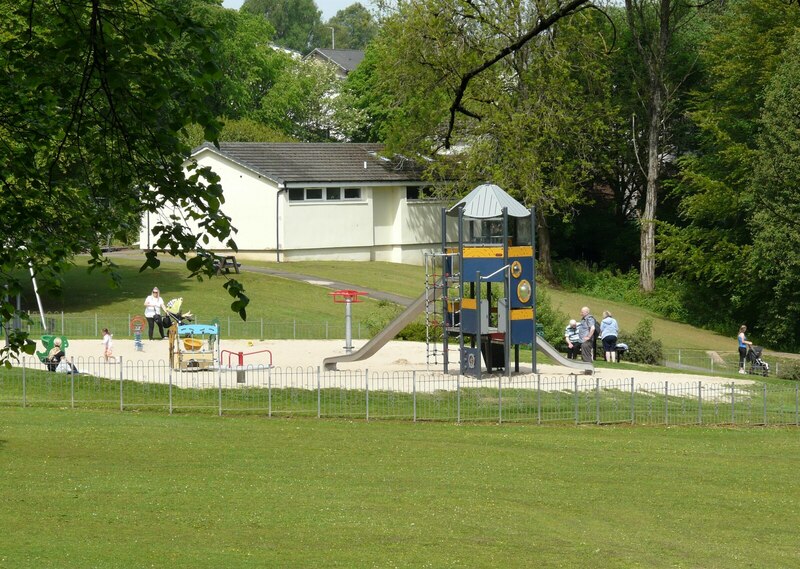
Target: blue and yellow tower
490	293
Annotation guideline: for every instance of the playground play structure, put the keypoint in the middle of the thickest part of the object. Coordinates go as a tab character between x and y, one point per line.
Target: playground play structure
480	293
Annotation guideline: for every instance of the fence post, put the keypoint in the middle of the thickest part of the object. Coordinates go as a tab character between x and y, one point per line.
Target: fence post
679	357
261	334
633	402
414	393
366	385
269	391
72	383
575	397
121	398
666	402
326	329
500	399
538	399
169	374
319	393
62	323
219	379
733	406
797	404
95	324
294	329
458	398
765	404
700	402
597	398
24	387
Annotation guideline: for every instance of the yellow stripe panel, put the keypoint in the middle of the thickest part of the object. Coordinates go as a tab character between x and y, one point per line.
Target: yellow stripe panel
522	314
469	303
492	252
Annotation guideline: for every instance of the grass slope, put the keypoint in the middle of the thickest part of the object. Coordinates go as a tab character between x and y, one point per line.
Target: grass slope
280	300
105	489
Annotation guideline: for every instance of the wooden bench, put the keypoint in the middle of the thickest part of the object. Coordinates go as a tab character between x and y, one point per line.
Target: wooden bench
226	263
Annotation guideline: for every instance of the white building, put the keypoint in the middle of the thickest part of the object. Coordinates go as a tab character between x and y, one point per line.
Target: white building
321	201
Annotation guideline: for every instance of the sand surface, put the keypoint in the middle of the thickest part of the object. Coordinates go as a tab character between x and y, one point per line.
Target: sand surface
394	356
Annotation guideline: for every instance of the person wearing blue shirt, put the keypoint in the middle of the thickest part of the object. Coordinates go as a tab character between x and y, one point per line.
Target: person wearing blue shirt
586	328
573	339
609	330
744	343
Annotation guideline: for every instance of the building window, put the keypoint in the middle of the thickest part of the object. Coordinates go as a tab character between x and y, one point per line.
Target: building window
319	194
419	193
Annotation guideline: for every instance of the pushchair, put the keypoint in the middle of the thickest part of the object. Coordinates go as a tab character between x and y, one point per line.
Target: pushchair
757	365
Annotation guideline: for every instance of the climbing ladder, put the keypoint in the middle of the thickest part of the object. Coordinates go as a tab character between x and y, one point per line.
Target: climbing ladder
438	292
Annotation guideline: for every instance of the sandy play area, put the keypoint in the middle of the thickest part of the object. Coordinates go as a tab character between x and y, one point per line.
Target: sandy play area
394	356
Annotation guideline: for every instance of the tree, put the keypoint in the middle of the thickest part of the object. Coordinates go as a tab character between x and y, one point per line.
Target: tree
711	245
529	121
774	266
296	22
354	28
249	65
92	101
653	25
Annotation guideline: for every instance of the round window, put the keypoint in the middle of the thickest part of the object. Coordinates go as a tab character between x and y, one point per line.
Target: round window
524	291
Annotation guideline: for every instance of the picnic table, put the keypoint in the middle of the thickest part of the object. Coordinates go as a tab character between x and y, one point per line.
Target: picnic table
226	263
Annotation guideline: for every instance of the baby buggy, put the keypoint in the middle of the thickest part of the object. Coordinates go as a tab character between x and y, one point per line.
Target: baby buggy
757	365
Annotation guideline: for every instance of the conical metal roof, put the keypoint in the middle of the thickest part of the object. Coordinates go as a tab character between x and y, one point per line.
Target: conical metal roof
488	200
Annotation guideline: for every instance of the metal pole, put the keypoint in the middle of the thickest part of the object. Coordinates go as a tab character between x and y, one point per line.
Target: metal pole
414	393
538	399
597	398
319	393
765	404
72	383
533	286
700	402
24	386
366	384
797	404
170	389
121	399
269	392
666	402
458	399
219	378
733	406
500	398
633	402
576	398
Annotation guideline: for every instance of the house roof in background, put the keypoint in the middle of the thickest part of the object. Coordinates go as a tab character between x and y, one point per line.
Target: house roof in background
318	163
347	59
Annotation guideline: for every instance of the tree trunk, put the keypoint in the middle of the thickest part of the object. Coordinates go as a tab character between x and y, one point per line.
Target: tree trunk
544	267
647	221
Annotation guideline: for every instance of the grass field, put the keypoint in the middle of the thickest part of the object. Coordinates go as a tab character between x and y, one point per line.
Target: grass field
105	489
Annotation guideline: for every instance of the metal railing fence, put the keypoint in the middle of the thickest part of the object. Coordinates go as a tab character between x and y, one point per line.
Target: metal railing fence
406	395
690	359
90	326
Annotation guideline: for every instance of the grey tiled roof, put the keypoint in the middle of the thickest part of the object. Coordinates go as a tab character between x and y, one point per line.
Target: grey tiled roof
347	59
301	162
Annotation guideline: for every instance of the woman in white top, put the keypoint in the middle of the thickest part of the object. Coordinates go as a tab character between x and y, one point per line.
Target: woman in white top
153	305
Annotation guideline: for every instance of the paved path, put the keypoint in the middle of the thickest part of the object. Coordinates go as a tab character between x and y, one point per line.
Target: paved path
284	274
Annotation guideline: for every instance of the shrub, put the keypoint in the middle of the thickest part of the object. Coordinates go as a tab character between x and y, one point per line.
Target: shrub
554	321
642	348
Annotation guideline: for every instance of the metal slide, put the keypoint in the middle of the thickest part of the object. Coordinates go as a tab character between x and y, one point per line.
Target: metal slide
544	346
407	317
392	329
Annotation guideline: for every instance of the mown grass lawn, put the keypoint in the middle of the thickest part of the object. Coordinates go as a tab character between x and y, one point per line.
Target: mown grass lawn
110	489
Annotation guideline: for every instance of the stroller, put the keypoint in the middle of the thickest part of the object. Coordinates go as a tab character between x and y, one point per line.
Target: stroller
757	365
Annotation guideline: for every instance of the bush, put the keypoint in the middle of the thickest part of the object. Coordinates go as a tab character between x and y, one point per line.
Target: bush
554	321
642	348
